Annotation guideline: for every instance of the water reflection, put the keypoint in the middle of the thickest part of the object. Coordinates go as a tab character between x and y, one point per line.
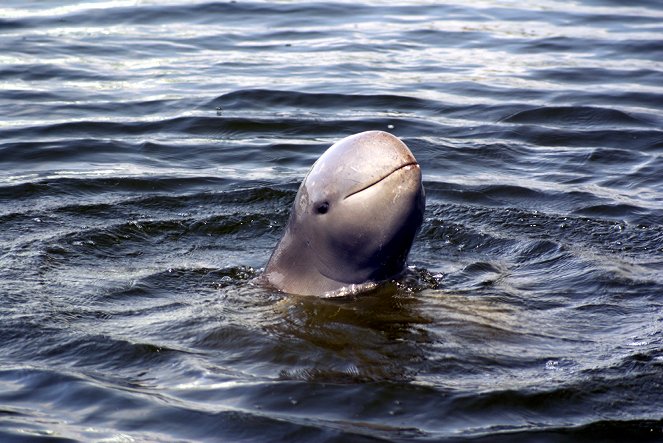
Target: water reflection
373	336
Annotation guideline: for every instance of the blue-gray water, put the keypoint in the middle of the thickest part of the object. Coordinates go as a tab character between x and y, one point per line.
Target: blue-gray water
149	153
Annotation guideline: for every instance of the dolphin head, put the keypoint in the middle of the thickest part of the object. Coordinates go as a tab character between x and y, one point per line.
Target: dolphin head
354	217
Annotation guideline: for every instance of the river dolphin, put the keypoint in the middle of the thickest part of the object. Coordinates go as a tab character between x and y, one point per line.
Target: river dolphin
353	220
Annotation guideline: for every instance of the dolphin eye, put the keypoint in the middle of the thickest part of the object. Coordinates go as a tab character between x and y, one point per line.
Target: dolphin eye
322	208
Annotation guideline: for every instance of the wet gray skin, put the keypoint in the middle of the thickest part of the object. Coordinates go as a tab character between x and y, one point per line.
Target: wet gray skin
353	220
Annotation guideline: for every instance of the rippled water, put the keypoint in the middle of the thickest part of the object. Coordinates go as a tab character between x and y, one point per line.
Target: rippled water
149	153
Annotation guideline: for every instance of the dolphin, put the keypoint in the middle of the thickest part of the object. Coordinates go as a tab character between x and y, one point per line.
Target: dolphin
353	220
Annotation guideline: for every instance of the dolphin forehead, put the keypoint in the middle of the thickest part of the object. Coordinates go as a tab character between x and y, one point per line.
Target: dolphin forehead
357	161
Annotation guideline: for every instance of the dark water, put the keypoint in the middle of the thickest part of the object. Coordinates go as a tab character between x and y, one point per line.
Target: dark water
149	152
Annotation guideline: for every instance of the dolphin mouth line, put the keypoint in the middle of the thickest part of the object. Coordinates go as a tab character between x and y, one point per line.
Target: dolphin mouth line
383	178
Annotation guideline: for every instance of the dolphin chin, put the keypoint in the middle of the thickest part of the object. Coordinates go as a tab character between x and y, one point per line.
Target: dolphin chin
353	220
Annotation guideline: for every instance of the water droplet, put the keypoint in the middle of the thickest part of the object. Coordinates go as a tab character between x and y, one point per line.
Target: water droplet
552	365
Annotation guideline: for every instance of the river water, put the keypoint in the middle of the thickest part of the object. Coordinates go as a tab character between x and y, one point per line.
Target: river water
149	154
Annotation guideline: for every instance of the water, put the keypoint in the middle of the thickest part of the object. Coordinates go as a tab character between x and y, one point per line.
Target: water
149	153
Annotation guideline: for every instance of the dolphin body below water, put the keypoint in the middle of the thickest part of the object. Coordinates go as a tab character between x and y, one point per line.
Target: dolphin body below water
353	220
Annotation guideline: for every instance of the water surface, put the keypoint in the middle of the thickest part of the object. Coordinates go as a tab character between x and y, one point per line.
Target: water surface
149	153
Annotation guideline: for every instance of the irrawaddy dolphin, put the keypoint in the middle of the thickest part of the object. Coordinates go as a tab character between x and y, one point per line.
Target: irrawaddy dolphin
353	220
